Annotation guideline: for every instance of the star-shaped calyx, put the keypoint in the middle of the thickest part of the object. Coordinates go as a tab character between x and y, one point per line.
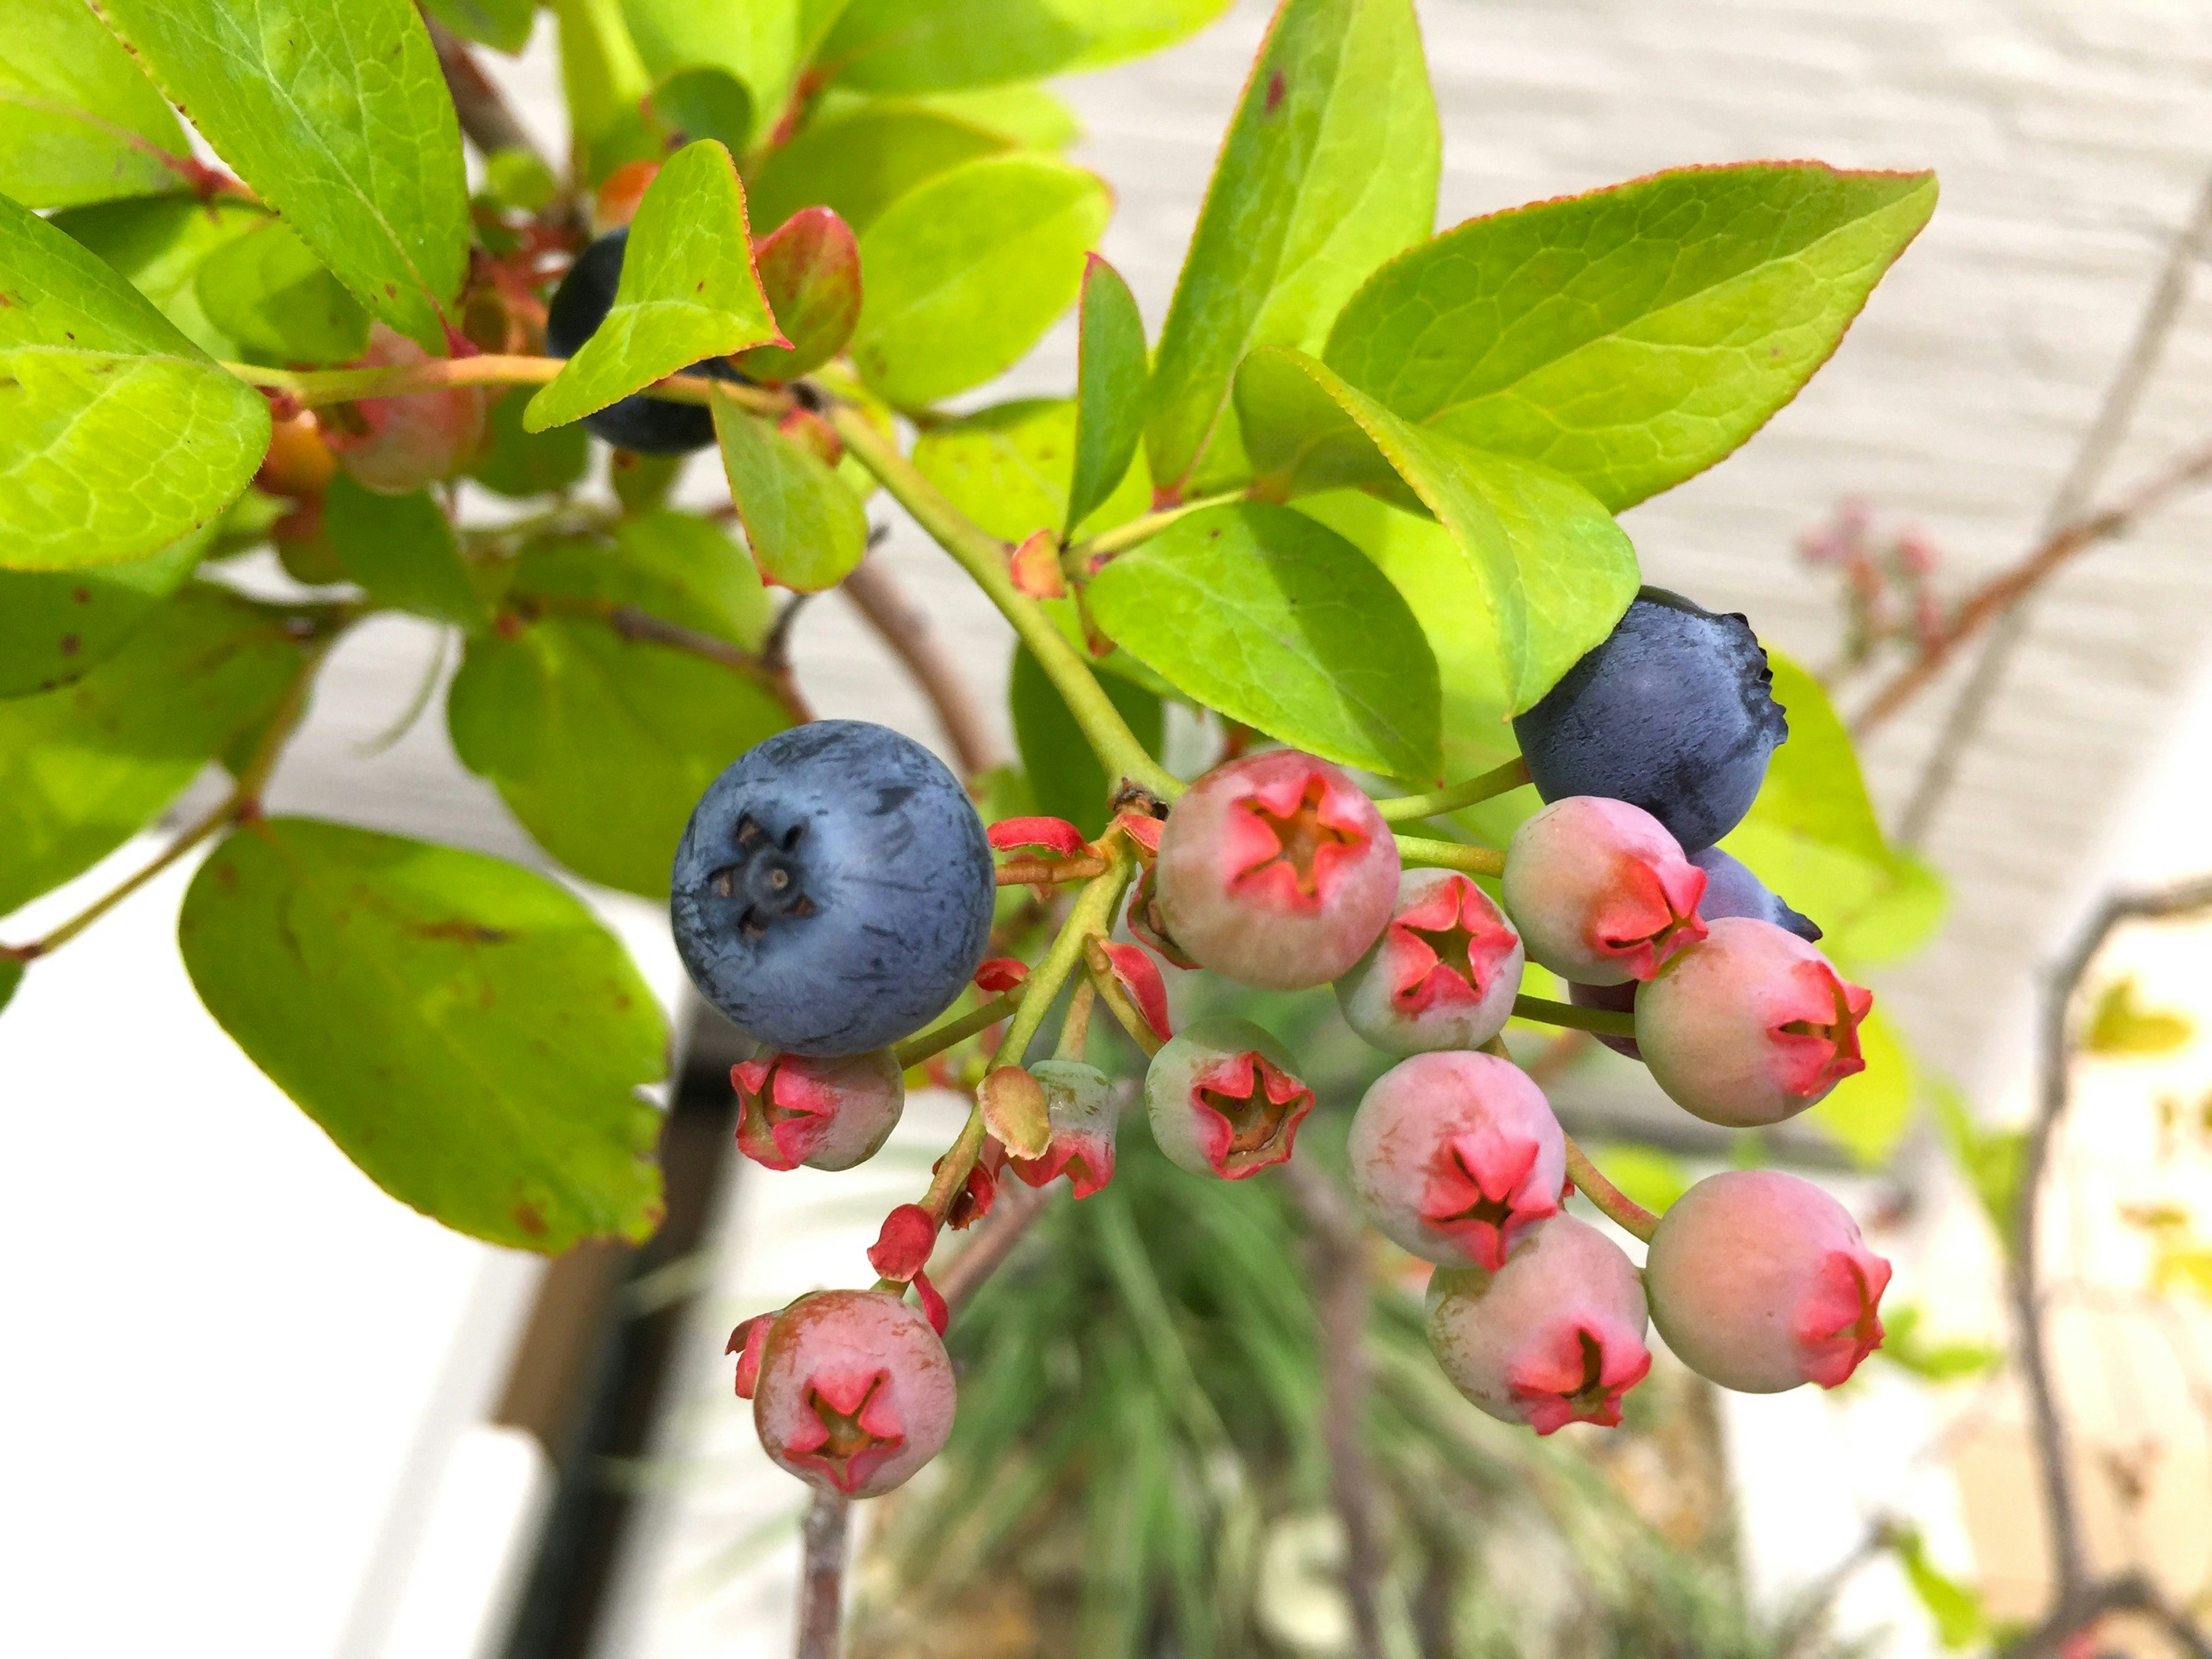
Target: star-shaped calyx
765	878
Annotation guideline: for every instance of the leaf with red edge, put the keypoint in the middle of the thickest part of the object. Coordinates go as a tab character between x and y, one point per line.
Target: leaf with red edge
1013	1107
1001	973
1139	976
746	1342
1036	566
933	1305
810	270
1055	834
902	1247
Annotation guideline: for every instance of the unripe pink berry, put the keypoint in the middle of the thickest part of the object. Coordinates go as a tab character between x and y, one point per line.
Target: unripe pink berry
1759	1281
1224	1100
1750	1026
402	443
1444	973
854	1392
1457	1156
1600	890
828	1114
1276	870
1553	1337
1084	1108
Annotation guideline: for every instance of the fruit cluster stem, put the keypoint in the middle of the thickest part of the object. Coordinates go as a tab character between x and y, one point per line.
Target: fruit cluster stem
1082	557
1496	781
984	557
1418	852
936	1041
1605	1022
1616	1206
312	388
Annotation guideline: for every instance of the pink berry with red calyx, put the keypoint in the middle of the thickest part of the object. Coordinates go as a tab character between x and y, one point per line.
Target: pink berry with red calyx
1224	1098
1276	870
1084	1108
1444	973
394	446
1750	1026
1759	1281
1553	1337
826	1112
1600	891
1457	1157
854	1392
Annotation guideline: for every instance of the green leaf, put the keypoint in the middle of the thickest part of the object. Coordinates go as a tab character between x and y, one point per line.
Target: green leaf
1903	1344
118	435
963	274
606	83
601	745
159	243
706	103
1065	779
518	464
806	529
1109	389
1868	1113
79	122
401	549
763	43
1028	116
2121	1025
1266	616
1009	468
502	25
11	976
1632	337
518	178
687	291
85	768
1329	167
810	270
1961	1621
1992	1160
861	162
266	291
1649	1177
339	118
465	1030
922	46
57	625
1556	571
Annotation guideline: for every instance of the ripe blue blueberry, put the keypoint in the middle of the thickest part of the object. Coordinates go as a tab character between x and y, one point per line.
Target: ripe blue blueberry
1732	890
1674	712
646	426
833	891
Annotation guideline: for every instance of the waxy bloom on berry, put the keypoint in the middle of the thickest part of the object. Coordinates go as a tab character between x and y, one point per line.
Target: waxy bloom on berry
1224	1100
1555	1336
1457	1156
1759	1281
1600	891
825	1114
1276	870
854	1392
1444	973
1751	1026
1084	1107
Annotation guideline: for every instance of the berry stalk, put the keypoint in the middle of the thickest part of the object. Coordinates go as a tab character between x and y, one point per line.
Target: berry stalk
915	1050
1601	1021
1418	852
1496	781
1082	556
1117	999
312	388
1616	1206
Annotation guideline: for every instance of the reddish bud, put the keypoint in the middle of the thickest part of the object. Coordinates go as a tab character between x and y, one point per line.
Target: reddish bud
746	1342
1001	973
615	202
1759	1281
1444	973
828	1114
395	446
1035	566
1553	1337
903	1243
1223	1099
974	1200
810	271
1013	1107
299	463
855	1392
1139	976
1056	835
1457	1155
1084	1108
1599	892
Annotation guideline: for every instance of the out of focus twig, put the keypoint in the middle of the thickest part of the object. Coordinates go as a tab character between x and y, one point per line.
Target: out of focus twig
485	113
821	1578
905	627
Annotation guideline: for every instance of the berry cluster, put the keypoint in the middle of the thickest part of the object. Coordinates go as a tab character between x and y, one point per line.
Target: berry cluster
835	893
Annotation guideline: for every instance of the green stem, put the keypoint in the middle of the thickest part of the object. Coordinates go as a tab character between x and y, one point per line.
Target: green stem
915	1050
1602	1021
1613	1204
983	557
312	388
1417	852
1496	781
1123	537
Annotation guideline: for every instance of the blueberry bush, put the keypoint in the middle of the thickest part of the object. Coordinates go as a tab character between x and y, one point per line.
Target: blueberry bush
1348	506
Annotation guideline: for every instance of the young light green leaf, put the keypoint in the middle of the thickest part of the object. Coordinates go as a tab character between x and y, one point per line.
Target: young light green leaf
1329	167
810	269
79	122
1028	116
925	45
118	435
2121	1025
861	162
606	83
465	1030
11	976
1065	779
762	43
1009	468
688	292
84	768
1993	1160
962	274
1556	571
1632	337
1266	616
401	549
502	25
706	103
1868	1113
57	625
1904	1344
518	464
267	292
340	119
158	244
1109	389
806	529
1962	1619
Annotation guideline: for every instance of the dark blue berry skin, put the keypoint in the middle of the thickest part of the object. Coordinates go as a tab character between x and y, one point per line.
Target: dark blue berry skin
833	891
1732	890
1673	712
646	426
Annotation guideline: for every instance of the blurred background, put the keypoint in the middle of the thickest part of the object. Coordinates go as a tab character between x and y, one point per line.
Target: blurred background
255	1408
